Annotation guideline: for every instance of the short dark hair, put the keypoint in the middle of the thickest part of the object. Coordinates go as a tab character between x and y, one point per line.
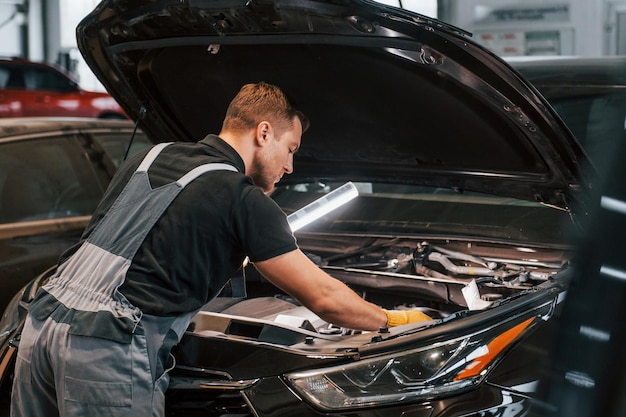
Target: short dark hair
256	102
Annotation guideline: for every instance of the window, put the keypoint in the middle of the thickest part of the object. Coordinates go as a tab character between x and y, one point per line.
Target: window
115	144
11	77
40	78
4	77
598	120
46	179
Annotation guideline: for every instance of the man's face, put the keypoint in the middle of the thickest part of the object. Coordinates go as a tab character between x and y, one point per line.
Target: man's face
276	158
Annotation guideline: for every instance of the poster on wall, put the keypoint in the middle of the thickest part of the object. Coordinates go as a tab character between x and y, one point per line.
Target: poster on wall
532	13
518	30
519	43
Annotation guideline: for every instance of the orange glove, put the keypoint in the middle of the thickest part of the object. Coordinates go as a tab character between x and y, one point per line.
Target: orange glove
400	317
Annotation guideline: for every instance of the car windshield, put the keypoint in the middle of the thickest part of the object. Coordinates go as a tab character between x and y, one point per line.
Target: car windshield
409	210
595	115
590	97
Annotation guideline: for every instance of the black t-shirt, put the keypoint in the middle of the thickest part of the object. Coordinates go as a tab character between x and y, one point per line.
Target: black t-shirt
204	235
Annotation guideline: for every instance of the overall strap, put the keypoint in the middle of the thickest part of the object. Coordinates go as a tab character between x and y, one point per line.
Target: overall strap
139	206
191	175
199	170
151	156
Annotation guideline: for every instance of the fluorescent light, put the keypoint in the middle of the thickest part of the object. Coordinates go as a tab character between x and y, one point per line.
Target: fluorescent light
322	206
613	204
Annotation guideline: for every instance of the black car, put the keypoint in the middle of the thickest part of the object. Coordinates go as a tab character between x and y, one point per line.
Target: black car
53	173
590	96
470	188
585	374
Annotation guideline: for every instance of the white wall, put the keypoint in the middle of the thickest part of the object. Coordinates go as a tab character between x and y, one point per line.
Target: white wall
10	20
72	12
615	27
584	26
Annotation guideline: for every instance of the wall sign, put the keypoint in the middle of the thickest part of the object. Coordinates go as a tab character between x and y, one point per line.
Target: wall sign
555	13
516	43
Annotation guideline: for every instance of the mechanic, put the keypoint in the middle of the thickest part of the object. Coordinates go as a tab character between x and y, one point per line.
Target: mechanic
176	222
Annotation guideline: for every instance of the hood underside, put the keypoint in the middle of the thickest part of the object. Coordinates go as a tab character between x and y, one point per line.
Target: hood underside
391	95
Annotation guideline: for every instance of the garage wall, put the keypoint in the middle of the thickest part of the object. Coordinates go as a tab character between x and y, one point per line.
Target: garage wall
72	12
543	27
616	28
11	28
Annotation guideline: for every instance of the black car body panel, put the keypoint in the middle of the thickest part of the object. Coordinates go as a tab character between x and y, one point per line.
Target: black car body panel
585	374
469	187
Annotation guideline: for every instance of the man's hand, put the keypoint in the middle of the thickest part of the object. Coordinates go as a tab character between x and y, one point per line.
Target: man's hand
400	317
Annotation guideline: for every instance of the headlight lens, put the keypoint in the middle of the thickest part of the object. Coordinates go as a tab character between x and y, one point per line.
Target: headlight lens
418	374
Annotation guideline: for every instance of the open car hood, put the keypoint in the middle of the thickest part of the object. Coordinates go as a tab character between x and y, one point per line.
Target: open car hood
392	95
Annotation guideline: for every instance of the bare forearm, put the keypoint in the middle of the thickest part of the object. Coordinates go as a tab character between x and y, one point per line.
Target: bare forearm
345	308
326	296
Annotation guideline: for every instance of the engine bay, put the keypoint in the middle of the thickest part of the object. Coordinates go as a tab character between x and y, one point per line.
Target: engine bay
433	276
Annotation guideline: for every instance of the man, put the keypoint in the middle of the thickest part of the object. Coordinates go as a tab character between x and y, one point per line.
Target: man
176	222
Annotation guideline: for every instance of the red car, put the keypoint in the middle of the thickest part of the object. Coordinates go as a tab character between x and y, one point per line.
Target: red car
38	89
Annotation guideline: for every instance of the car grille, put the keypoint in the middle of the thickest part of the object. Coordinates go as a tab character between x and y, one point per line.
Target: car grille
206	403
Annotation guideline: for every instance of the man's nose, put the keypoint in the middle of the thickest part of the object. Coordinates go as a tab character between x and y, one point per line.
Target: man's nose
288	167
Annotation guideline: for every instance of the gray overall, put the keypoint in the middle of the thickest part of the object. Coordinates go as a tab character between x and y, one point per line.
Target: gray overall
85	350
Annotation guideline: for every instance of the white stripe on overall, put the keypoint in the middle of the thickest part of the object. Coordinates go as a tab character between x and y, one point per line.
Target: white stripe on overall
88	281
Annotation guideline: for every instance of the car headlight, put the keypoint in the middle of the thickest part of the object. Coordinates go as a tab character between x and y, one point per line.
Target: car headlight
419	374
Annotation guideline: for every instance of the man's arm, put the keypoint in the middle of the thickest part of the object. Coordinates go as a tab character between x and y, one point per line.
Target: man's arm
326	296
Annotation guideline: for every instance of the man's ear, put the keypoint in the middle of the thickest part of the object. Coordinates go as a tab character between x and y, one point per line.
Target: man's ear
263	132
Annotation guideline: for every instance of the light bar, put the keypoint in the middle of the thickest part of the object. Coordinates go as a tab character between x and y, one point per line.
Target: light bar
322	206
318	208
